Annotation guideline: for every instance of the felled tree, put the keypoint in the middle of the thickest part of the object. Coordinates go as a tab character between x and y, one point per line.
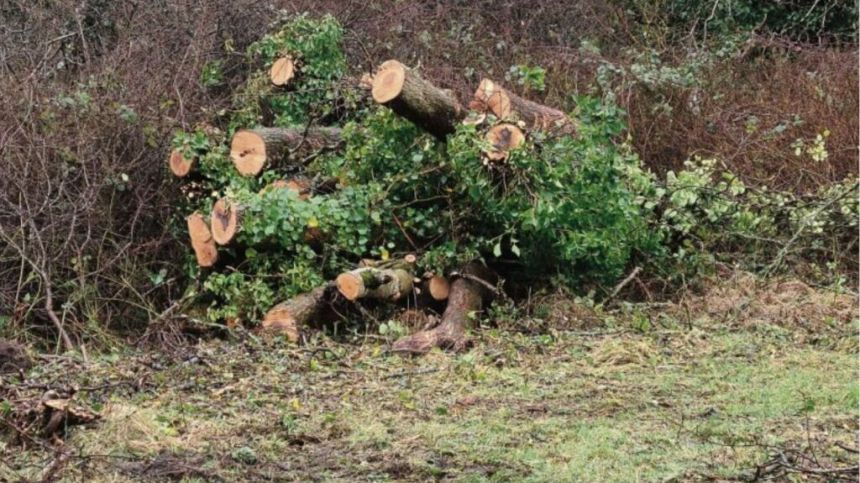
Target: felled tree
473	196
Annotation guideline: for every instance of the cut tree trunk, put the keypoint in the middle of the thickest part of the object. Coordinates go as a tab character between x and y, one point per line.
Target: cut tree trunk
502	138
375	283
253	150
180	166
469	293
507	106
435	110
282	71
225	220
290	317
201	240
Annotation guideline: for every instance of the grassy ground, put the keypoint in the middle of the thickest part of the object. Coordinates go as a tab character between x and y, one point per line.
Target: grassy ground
746	381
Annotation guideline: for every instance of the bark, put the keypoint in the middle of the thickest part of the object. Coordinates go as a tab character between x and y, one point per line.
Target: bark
435	110
201	240
375	283
180	166
291	317
253	150
469	293
490	97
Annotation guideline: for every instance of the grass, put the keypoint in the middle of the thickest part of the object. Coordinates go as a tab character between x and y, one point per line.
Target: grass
682	401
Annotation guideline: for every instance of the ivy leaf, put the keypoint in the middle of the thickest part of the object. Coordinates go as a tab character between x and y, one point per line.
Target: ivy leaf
497	250
516	250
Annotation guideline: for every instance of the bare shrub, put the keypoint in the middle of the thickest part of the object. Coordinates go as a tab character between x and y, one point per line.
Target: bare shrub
89	92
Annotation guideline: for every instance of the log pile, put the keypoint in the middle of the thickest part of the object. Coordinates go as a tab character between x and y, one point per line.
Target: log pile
503	121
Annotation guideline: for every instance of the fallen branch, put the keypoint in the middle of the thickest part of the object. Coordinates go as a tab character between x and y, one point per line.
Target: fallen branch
435	110
469	293
291	317
491	97
375	283
253	150
629	278
201	240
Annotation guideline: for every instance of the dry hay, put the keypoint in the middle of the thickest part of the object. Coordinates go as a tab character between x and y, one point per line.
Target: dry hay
745	301
624	352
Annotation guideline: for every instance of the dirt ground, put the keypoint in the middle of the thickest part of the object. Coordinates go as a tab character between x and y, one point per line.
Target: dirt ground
745	381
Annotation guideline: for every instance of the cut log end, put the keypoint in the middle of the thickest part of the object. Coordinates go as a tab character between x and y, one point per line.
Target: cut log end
281	319
350	285
180	166
439	287
224	221
201	240
282	71
503	138
248	152
388	81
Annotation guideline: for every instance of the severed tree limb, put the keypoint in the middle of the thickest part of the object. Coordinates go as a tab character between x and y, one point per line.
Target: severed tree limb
502	138
253	150
375	283
491	97
291	317
283	70
201	240
179	165
435	110
469	293
225	220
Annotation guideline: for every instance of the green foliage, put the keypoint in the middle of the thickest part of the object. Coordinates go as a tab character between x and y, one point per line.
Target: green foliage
805	20
314	45
703	211
532	78
565	204
801	20
212	74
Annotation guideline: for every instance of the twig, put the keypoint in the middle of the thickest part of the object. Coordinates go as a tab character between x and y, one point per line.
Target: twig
777	261
623	284
417	372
